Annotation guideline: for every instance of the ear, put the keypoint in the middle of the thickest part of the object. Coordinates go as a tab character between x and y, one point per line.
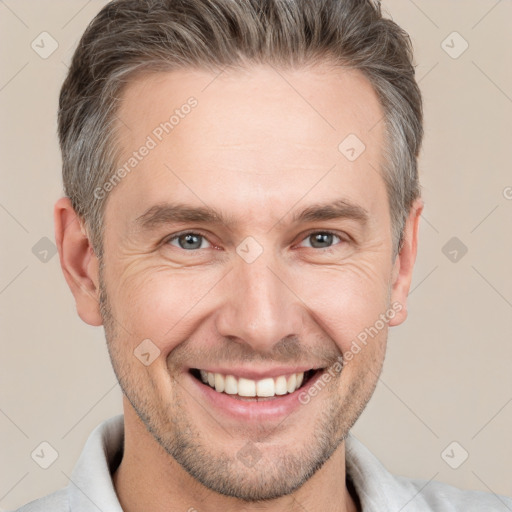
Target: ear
78	261
404	263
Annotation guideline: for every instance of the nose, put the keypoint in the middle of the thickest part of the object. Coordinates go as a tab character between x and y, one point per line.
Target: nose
260	308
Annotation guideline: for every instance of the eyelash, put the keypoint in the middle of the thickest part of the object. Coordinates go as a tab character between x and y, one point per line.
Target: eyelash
343	238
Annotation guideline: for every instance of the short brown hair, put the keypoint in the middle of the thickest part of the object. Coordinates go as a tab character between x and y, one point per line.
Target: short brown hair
128	37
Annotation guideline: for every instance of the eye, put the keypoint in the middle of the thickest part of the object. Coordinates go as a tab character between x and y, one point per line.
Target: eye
189	241
321	240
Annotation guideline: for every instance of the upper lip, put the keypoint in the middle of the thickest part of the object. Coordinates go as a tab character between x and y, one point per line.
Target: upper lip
254	374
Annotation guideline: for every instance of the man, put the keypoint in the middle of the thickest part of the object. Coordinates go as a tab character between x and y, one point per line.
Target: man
242	202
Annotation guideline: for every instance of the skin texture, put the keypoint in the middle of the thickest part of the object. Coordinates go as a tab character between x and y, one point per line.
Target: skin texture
260	146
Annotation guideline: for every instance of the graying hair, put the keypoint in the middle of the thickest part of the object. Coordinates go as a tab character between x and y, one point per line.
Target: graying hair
131	37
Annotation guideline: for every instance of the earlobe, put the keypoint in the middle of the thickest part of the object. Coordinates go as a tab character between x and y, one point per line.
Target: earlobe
78	261
404	264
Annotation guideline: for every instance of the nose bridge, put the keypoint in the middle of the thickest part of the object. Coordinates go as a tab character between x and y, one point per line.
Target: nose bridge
259	309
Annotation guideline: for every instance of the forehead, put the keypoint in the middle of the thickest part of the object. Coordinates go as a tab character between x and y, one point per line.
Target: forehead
261	131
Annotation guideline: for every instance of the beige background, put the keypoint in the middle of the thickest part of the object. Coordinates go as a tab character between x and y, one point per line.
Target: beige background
447	375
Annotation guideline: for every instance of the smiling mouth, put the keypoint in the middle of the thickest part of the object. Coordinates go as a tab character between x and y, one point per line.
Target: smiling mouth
248	389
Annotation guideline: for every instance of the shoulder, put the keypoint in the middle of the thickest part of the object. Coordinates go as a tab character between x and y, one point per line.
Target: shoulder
378	489
55	502
438	496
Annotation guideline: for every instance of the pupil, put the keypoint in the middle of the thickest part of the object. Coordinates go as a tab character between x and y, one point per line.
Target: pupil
322	240
190	241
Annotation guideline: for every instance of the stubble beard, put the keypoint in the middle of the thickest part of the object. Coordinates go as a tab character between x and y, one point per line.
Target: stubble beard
276	474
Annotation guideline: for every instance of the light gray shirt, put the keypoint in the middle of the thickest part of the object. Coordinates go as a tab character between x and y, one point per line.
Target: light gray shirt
91	488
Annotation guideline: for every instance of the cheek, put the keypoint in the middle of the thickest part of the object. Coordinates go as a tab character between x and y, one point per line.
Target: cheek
157	303
166	304
346	301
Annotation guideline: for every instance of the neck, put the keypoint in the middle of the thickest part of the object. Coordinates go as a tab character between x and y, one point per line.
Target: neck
148	477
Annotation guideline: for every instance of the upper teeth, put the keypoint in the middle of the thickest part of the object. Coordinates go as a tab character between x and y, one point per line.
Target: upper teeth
247	387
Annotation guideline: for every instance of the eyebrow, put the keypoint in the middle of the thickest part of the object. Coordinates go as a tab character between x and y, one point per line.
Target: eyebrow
162	214
339	209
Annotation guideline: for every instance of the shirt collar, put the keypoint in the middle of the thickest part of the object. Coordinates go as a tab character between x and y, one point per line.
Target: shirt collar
376	487
91	488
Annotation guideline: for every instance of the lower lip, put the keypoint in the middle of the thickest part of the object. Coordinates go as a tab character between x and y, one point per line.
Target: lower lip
259	410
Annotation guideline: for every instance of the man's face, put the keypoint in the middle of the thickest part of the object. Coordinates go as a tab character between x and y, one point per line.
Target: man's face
283	277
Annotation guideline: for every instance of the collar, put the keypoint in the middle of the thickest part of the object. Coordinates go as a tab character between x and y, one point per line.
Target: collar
91	487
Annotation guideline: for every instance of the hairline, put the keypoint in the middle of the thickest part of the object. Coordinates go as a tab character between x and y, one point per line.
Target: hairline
150	69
